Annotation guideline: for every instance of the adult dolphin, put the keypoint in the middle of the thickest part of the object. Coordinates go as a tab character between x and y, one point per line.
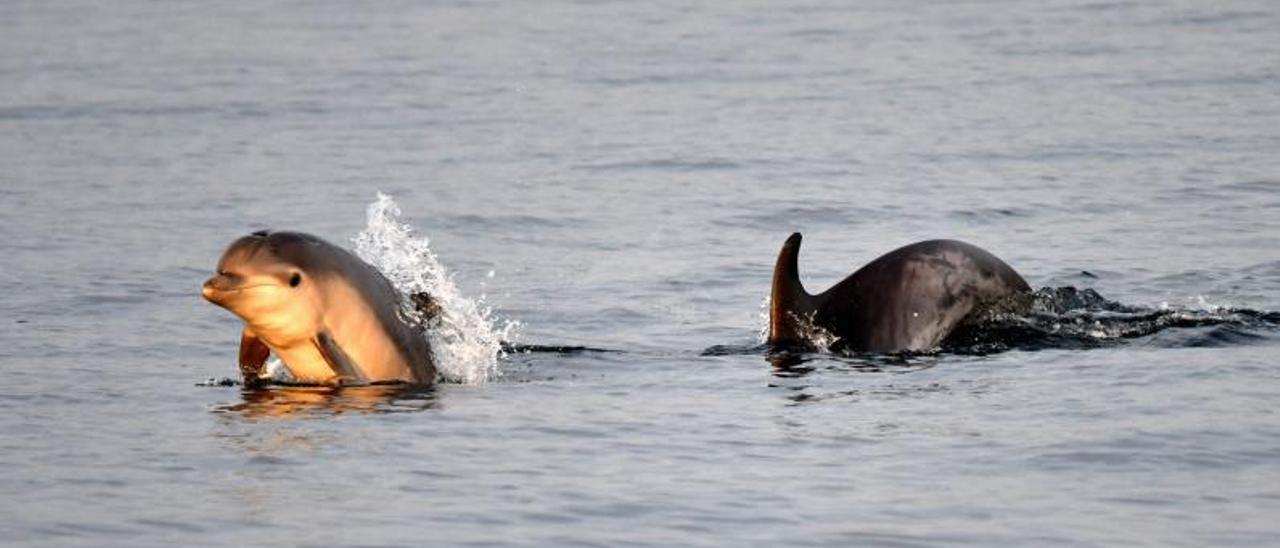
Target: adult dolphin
329	316
909	299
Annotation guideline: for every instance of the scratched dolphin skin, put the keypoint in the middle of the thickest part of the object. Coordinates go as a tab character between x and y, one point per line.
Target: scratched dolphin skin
909	299
330	317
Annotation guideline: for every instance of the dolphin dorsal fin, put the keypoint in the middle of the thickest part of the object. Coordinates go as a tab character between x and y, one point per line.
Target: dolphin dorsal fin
788	302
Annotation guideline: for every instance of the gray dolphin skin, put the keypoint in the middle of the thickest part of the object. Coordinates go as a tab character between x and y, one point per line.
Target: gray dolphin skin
909	299
332	318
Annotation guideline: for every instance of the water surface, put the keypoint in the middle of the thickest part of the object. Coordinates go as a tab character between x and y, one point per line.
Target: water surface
621	175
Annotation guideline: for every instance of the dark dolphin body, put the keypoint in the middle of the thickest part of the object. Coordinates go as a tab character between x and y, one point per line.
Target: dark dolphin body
911	298
329	316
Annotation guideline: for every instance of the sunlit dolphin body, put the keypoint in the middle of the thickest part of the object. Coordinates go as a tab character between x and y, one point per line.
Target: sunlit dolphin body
329	316
909	299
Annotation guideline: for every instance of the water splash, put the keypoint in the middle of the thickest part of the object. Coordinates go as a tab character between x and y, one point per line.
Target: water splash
465	337
1066	317
806	328
762	320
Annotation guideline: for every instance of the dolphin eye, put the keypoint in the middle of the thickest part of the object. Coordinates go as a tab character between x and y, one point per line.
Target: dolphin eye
295	280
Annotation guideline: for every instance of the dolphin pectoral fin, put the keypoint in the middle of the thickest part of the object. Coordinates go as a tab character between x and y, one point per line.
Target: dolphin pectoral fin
253	358
344	370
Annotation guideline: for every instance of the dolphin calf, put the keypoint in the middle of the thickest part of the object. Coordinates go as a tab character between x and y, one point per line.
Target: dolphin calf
909	299
329	316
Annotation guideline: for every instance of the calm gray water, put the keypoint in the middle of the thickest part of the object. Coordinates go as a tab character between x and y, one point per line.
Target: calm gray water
627	171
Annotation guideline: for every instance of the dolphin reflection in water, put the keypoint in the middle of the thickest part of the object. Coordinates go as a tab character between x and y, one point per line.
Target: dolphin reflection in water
300	402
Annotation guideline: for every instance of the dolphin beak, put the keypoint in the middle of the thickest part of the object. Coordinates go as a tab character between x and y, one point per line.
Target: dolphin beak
209	291
223	288
219	288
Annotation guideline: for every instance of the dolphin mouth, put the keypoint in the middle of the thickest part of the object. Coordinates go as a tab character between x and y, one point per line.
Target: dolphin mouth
215	294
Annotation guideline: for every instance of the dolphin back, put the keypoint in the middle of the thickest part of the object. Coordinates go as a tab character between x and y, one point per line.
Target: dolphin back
909	299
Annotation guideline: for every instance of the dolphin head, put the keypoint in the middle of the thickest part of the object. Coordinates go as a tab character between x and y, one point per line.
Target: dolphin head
264	279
